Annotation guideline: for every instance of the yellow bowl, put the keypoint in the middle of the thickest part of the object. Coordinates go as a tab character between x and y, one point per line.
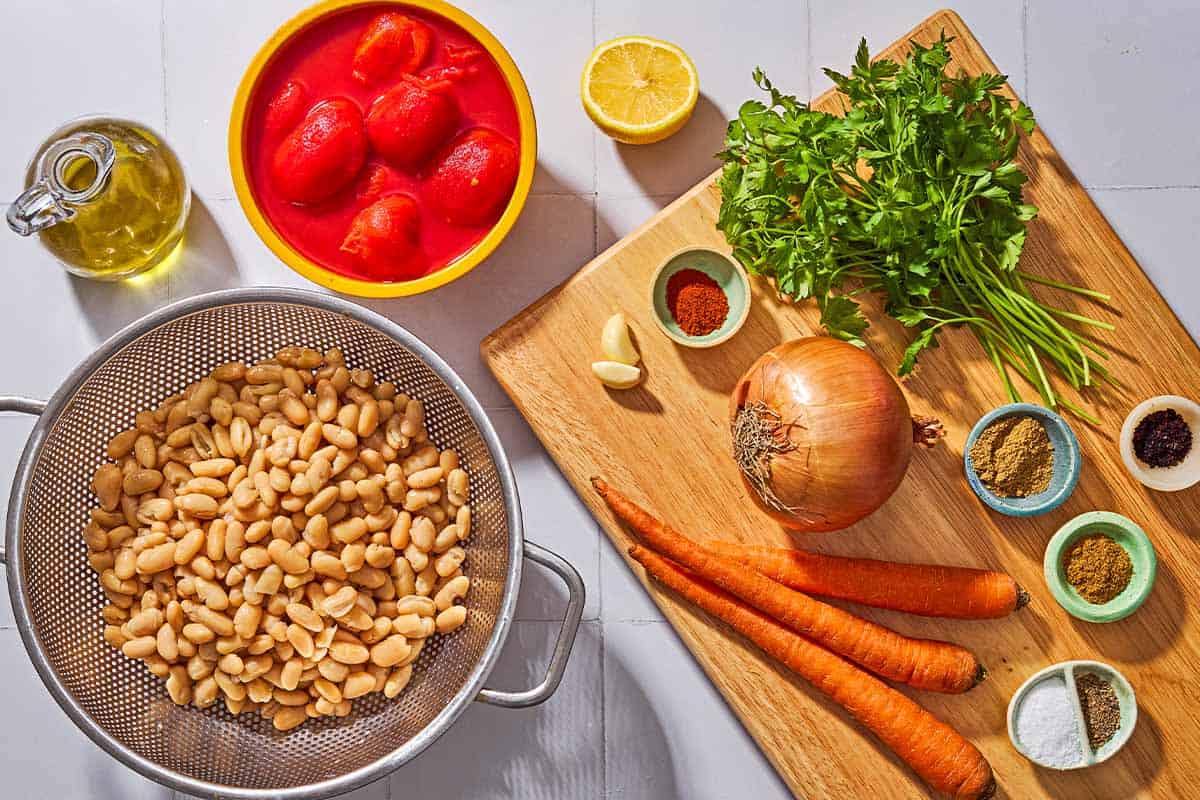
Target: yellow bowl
311	269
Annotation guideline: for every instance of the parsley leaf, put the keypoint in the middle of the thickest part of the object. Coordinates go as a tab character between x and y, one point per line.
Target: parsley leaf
914	193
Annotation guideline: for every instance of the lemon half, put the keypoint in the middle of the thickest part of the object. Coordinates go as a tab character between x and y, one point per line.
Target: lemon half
639	90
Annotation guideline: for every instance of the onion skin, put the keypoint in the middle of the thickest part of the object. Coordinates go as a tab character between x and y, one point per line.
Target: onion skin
849	428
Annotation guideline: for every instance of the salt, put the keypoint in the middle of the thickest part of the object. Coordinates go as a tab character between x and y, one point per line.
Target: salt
1046	725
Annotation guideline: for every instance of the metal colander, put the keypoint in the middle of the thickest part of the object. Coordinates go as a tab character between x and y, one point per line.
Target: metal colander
57	599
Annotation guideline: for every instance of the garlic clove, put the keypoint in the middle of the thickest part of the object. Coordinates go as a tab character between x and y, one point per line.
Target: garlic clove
616	342
616	375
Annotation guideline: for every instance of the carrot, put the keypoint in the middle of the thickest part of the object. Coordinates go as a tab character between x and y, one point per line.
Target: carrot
921	663
925	589
934	750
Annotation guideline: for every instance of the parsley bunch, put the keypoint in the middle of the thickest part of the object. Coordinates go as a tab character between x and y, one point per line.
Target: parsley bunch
914	193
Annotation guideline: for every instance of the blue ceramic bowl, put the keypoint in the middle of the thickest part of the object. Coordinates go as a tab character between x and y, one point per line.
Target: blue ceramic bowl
1065	474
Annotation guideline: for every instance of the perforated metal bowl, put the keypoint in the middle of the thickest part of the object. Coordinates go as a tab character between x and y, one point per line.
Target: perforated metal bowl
57	600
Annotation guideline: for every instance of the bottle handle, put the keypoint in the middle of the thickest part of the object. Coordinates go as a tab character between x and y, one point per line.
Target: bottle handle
50	199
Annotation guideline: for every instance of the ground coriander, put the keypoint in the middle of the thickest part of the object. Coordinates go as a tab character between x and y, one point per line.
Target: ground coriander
1013	457
1098	568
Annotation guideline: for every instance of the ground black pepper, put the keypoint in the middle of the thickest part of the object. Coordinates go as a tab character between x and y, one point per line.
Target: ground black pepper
1101	708
1162	438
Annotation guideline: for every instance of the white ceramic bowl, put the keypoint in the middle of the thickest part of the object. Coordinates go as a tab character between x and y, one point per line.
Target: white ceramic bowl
1068	671
1164	479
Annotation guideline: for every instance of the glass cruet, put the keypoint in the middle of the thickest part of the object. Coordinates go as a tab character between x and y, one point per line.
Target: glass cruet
107	197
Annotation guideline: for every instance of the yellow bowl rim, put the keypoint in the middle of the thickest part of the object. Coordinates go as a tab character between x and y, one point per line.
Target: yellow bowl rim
353	286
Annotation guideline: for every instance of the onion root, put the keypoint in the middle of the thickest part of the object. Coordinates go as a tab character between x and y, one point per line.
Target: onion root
758	434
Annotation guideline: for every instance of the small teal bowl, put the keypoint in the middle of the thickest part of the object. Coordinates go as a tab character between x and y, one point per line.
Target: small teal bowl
1065	474
728	274
1124	532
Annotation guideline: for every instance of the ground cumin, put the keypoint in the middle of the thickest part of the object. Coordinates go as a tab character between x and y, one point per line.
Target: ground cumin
1098	568
1013	457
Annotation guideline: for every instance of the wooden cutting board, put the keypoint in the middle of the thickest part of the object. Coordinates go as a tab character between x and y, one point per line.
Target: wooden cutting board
667	445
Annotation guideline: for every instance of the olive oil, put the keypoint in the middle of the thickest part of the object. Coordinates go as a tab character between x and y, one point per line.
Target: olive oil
107	197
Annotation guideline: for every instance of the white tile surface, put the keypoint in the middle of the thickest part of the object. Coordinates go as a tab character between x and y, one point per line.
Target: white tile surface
49	757
624	597
60	63
205	59
550	41
1117	93
1162	230
655	745
619	215
726	41
551	752
554	518
837	27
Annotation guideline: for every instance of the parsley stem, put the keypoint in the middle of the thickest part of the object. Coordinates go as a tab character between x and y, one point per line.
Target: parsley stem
1067	287
1080	318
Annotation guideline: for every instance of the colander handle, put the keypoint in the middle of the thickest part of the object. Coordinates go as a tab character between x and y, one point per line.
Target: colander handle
566	635
24	405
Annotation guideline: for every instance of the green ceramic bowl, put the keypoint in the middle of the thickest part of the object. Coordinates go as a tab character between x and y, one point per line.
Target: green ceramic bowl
722	269
1069	671
1127	534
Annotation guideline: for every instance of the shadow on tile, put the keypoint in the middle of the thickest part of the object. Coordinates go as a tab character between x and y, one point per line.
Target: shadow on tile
547	181
649	762
203	263
554	750
207	262
109	779
543	596
681	161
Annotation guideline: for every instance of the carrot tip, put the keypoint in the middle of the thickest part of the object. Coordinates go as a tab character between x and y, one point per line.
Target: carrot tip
980	675
1022	598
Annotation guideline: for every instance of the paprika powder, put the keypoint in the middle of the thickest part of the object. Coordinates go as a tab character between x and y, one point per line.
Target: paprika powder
697	302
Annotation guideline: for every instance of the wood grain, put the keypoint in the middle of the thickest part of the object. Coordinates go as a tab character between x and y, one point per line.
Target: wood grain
666	444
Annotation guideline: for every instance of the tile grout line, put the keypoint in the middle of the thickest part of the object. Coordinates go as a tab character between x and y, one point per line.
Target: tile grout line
808	48
162	55
1025	49
222	198
595	160
603	715
1133	187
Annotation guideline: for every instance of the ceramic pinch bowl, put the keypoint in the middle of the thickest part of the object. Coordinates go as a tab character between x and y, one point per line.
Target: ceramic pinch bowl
1164	479
1065	470
1069	671
728	274
1124	532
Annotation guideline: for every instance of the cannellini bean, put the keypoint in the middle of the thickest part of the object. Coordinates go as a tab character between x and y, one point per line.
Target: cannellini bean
281	536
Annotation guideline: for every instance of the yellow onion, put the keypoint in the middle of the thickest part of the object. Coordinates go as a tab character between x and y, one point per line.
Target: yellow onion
822	433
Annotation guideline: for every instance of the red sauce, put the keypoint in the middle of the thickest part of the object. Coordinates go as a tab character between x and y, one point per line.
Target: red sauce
320	58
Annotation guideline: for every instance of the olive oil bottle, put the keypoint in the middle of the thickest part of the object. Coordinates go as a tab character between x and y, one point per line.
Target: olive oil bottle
107	197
